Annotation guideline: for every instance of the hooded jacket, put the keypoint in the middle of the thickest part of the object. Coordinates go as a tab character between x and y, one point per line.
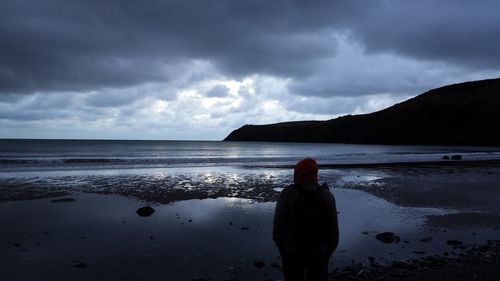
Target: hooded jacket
283	233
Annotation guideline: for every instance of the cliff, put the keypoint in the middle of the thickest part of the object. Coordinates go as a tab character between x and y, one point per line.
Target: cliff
459	114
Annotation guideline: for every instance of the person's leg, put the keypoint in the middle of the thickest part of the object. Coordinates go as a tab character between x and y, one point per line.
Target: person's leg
316	267
293	266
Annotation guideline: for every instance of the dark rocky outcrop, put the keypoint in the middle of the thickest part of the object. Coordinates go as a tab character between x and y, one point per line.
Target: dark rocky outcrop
145	211
387	237
460	114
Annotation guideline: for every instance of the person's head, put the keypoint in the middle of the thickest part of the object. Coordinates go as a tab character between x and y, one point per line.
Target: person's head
306	172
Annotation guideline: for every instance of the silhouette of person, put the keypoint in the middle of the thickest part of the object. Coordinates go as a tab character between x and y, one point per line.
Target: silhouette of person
305	226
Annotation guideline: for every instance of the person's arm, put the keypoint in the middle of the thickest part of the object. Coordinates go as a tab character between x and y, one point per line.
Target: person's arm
333	228
279	221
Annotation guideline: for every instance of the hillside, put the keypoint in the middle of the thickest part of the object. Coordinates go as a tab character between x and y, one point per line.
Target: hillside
459	114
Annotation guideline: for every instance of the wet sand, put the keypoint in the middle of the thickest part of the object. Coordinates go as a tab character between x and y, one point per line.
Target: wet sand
216	224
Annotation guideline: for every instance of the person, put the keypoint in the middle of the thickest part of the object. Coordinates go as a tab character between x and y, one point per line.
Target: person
305	226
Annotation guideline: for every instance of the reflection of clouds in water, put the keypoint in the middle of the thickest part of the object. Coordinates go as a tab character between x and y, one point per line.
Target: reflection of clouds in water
361	211
208	178
348	178
208	209
269	175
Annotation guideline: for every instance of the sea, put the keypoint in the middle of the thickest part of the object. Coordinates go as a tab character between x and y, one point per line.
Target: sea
68	207
43	155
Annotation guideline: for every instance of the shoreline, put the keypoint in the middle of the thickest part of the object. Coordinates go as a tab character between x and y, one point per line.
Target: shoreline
436	163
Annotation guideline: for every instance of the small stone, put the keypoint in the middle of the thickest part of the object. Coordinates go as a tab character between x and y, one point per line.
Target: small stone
456	157
145	211
454	243
446	157
63	200
259	264
16	245
245	228
190	220
275	265
78	264
426	239
230	223
387	237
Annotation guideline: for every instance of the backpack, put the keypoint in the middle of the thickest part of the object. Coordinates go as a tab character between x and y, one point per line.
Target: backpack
310	217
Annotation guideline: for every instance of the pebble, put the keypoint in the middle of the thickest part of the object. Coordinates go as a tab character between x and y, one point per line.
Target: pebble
78	264
259	264
387	237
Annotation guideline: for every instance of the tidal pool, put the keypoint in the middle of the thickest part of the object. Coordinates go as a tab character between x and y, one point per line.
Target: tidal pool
211	238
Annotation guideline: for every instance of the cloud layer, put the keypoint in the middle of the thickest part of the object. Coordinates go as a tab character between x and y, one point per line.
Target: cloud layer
191	69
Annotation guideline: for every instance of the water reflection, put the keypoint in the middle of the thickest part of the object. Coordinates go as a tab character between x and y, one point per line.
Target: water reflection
211	238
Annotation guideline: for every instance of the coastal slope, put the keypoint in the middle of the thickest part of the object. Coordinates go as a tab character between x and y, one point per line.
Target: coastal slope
459	114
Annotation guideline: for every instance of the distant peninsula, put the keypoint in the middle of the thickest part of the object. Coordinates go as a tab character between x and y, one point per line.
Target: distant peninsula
459	114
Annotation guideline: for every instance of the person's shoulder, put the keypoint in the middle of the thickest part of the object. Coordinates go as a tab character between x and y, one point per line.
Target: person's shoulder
326	192
289	190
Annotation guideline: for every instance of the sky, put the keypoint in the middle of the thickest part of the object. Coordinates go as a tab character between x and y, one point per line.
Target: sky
196	70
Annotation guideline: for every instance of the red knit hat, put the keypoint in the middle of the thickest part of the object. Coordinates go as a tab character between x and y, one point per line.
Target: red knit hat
306	171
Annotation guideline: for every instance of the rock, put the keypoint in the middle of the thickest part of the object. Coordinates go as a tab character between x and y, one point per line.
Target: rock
275	265
426	239
78	264
63	200
145	211
245	228
419	252
387	237
446	157
259	264
454	243
456	157
484	248
230	223
190	220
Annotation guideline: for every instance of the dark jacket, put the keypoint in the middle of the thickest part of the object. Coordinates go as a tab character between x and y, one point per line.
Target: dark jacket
283	233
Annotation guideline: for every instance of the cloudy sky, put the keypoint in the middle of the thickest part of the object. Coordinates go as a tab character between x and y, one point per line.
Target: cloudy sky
198	69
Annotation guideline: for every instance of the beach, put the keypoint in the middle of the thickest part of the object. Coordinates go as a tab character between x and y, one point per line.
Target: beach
214	222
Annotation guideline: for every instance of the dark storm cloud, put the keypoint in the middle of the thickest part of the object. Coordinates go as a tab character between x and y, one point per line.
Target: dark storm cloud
463	32
88	45
84	45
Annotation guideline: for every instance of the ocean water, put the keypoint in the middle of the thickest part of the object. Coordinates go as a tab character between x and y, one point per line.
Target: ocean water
62	155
